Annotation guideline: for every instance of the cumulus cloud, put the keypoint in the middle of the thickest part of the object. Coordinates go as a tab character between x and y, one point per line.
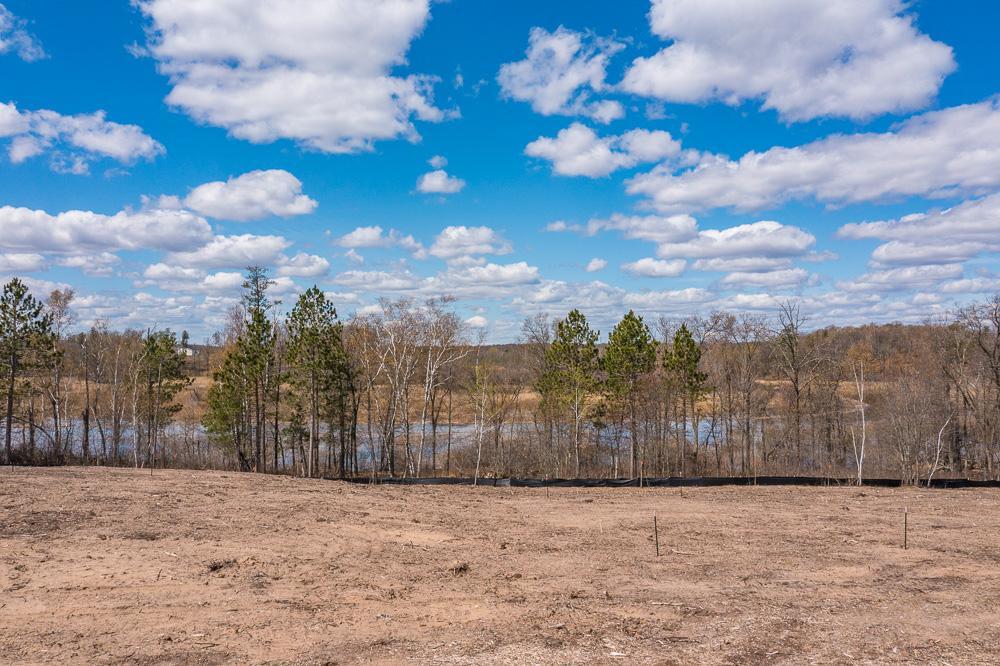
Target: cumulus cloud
80	231
903	278
477	321
96	265
321	75
21	262
492	275
758	239
607	302
560	73
186	279
653	228
649	267
303	265
942	236
375	236
14	38
479	280
979	285
936	154
788	277
251	196
462	241
439	182
238	251
802	58
579	151
741	264
596	264
73	141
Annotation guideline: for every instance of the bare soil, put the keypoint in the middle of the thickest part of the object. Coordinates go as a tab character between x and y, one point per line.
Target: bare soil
119	566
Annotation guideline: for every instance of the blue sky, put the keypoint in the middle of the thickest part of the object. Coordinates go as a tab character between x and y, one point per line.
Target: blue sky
672	157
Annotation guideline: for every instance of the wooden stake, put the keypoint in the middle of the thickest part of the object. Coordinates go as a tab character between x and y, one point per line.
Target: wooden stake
906	513
656	536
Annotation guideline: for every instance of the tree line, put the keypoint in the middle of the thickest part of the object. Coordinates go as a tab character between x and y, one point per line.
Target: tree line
408	389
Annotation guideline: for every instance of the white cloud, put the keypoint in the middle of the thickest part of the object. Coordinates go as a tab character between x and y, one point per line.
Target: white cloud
560	72
14	38
579	151
75	141
478	281
223	281
493	275
303	265
374	236
596	264
12	121
666	300
378	281
238	251
936	154
462	241
251	196
320	74
741	264
95	265
439	182
759	239
803	58
21	262
903	278
191	280
979	285
649	267
364	237
477	321
788	277
608	303
79	231
945	252
942	236
438	162
654	228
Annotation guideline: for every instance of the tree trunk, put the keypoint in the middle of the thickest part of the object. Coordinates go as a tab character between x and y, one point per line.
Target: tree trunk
11	380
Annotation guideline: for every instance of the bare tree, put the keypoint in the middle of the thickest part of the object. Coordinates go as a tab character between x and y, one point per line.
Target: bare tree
859	451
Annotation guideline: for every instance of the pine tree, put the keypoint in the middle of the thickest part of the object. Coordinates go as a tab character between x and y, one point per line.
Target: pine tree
163	370
317	362
682	362
256	350
629	357
225	413
26	341
571	365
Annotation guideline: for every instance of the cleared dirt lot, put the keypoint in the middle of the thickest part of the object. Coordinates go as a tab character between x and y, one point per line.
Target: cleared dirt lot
117	566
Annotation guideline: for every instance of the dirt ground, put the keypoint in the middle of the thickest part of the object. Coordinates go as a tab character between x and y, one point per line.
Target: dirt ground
117	566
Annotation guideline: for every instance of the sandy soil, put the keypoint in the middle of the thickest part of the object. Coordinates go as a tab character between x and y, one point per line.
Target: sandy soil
116	566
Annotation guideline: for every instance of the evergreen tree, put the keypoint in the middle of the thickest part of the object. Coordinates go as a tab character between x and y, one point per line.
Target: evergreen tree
317	362
26	341
682	361
225	413
256	350
571	369
629	357
163	369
